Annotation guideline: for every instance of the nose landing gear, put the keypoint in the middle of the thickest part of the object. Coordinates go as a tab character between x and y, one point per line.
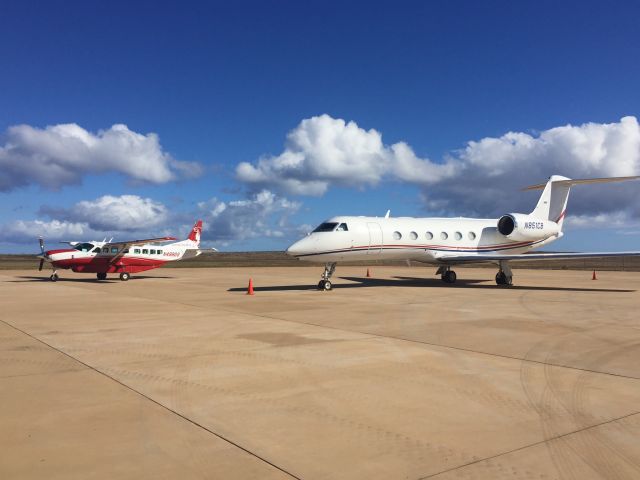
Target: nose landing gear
325	283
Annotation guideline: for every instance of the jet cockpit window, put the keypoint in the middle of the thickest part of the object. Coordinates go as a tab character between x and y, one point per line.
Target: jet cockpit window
326	227
84	247
343	228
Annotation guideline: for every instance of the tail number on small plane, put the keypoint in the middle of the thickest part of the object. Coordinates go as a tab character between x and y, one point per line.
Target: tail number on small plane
171	254
534	225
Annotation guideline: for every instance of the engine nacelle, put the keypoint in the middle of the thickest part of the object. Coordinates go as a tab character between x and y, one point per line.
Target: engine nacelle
521	227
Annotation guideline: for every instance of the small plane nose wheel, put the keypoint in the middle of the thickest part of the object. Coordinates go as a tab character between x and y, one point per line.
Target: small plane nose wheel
54	277
325	283
124	276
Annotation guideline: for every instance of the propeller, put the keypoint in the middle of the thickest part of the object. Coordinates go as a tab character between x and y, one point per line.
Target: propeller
42	251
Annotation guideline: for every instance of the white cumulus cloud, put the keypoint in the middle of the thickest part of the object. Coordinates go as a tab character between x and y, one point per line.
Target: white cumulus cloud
263	215
323	151
483	178
24	231
61	155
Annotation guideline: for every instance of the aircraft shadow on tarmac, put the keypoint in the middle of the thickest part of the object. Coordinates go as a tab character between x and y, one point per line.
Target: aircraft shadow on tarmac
359	282
82	280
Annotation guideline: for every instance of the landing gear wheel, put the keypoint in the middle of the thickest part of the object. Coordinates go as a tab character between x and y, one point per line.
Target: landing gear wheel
54	277
449	276
321	285
124	276
327	285
503	279
101	276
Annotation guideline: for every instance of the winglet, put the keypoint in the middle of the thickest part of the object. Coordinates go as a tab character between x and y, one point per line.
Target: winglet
387	214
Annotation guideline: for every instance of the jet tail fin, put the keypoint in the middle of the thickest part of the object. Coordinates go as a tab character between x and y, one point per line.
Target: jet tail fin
552	204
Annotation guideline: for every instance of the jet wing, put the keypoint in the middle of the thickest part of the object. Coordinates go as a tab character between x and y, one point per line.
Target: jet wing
527	257
122	246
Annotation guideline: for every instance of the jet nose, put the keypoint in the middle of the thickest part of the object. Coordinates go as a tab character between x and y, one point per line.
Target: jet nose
301	247
294	249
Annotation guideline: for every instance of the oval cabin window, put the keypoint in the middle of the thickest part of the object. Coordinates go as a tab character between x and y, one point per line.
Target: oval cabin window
444	235
397	235
472	236
429	236
458	236
413	235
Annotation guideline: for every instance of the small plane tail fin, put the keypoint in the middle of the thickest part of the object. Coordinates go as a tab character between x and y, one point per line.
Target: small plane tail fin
194	235
552	204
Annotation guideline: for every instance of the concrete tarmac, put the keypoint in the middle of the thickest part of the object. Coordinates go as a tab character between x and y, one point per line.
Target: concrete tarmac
178	373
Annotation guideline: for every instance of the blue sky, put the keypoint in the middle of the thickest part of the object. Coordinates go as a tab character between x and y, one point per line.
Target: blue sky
221	84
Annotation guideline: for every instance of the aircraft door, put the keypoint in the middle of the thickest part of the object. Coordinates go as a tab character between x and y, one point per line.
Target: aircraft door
375	238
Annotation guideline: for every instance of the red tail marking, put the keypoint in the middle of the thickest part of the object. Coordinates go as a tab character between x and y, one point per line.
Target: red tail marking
195	231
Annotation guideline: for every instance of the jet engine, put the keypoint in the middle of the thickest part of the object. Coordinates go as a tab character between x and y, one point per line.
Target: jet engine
521	227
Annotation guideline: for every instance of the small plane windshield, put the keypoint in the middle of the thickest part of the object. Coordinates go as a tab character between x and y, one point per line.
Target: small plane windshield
326	227
84	247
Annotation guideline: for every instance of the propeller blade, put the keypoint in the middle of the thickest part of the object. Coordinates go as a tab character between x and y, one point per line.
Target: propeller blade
41	264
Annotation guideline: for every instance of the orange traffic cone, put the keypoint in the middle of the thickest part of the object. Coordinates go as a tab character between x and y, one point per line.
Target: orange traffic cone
594	276
250	288
368	273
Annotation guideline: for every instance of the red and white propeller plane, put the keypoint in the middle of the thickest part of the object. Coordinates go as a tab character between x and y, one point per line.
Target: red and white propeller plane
125	258
447	242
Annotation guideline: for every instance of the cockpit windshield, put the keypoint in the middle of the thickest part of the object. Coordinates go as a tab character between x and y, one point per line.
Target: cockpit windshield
84	247
326	227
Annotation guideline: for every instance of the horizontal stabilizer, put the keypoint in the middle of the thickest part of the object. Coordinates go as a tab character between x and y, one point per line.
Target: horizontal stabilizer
570	183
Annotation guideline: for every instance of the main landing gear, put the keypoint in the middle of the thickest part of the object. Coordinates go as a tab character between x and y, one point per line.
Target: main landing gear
124	276
446	274
101	275
504	275
325	283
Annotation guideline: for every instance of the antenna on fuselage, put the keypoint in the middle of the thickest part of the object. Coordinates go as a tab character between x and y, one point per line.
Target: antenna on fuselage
386	215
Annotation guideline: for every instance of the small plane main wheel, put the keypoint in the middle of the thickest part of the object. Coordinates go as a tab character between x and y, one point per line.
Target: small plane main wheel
54	277
327	285
101	276
124	276
321	285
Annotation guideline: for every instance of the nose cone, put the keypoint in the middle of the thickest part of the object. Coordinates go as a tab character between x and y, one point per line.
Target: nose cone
295	249
301	247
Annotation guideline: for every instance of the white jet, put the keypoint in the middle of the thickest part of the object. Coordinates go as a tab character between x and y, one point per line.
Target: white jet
447	242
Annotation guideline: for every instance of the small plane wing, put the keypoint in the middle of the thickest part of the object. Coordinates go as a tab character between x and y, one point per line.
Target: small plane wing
526	257
131	243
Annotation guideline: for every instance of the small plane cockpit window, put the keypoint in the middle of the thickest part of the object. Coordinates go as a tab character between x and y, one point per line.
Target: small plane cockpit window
84	247
326	227
96	250
342	228
114	249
